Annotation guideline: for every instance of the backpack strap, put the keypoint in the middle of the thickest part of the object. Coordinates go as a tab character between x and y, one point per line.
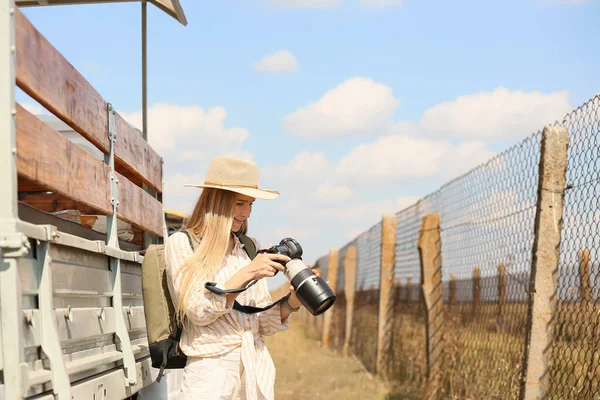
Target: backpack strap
189	239
249	245
250	249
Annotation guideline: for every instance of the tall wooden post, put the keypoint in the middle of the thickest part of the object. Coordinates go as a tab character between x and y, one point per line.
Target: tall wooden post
585	291
332	278
546	255
386	295
501	292
452	299
430	250
476	290
350	290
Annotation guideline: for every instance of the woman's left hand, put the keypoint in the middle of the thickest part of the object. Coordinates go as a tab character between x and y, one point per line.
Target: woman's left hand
293	300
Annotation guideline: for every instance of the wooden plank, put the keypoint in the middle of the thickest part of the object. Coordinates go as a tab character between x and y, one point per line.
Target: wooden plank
139	208
44	74
25	185
47	158
133	153
54	202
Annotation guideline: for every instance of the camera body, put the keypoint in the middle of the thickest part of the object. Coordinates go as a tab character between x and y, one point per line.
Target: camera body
288	247
312	291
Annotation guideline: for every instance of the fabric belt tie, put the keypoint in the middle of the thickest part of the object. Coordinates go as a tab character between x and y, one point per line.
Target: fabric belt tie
255	356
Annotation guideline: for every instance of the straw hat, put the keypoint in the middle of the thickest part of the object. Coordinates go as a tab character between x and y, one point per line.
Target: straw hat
235	175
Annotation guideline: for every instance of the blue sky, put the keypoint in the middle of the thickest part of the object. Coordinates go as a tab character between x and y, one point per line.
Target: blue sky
412	93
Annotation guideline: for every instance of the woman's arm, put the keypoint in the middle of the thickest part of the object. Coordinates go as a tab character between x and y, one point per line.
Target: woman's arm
293	301
276	319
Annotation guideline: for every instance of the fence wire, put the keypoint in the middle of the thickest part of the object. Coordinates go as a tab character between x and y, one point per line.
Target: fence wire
339	311
487	233
366	303
575	371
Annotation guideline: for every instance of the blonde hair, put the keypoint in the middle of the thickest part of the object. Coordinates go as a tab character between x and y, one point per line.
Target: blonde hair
211	222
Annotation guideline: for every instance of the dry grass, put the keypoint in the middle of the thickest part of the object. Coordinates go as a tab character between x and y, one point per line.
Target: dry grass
484	353
307	371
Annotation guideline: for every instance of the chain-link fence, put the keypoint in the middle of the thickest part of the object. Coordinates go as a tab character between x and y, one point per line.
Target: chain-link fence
487	233
575	372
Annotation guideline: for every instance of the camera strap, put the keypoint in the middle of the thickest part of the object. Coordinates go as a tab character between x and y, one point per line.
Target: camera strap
250	249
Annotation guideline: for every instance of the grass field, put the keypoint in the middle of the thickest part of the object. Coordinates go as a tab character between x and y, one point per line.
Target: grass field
306	371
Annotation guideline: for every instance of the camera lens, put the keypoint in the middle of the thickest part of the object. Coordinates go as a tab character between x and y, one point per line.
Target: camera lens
314	293
324	306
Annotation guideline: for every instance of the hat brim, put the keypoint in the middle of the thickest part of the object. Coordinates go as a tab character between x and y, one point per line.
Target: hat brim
263	194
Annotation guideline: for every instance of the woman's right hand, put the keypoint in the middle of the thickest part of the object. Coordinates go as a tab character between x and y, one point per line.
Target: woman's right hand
264	265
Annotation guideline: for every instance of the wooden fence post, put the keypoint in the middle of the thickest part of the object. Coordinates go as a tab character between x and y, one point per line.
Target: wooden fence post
585	295
546	255
501	293
398	291
315	321
585	292
332	278
350	290
430	251
386	296
452	299
476	290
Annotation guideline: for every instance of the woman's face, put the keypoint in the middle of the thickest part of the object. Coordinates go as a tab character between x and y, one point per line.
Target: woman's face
241	211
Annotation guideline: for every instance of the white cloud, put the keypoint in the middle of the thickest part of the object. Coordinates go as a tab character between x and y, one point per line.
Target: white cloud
301	173
179	197
35	109
381	3
332	194
401	158
282	61
365	213
498	114
393	157
464	157
188	137
356	107
172	127
304	3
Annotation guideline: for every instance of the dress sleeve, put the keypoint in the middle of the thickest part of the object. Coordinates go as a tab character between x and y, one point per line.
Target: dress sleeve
204	306
270	321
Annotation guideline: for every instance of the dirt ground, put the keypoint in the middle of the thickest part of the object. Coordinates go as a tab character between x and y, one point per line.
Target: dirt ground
306	371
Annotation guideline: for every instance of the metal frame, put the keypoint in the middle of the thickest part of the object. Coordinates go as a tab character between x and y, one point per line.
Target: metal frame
61	385
115	263
12	243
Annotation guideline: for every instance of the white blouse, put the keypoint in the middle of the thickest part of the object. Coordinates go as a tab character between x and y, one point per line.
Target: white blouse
214	329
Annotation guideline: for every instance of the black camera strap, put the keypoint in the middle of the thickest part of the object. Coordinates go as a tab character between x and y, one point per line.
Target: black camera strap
250	249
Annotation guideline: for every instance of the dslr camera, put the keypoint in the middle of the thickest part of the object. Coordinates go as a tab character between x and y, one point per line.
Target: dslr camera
312	291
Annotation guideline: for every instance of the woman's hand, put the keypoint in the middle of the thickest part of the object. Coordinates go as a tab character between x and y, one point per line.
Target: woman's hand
264	265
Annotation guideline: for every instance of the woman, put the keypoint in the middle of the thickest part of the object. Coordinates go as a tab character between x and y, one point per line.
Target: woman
227	358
